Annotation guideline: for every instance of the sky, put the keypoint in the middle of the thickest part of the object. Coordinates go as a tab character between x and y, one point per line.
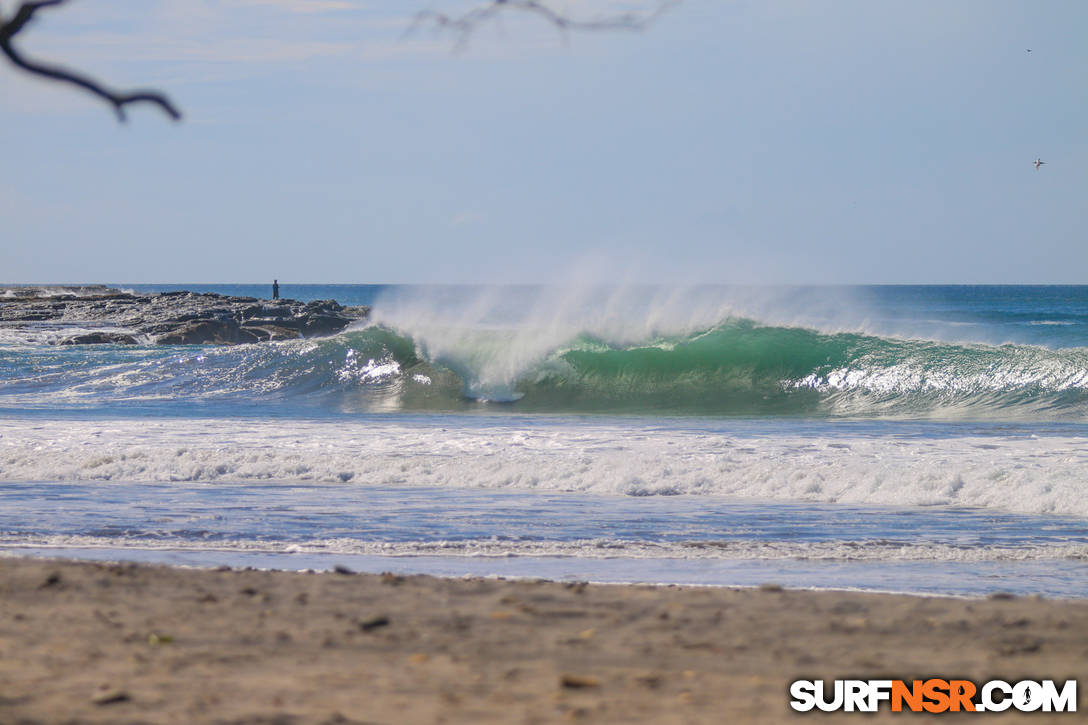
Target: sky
759	142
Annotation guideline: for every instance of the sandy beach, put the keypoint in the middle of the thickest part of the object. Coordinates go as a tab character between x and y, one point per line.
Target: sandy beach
123	643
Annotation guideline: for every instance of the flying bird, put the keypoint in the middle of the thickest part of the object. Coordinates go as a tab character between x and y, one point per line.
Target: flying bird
1038	163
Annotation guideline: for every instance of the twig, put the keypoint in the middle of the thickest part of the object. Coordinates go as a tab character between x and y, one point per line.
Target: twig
118	100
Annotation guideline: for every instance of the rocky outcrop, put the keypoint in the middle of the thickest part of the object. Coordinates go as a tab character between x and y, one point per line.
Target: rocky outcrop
172	318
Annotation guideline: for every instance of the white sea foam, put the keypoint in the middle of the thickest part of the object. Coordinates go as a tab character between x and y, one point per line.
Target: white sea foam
1020	474
372	371
826	551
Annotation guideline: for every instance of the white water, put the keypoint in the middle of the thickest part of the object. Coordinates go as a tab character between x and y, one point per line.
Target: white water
1017	473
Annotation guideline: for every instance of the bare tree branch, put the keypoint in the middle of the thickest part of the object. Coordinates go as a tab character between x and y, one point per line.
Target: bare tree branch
464	24
118	100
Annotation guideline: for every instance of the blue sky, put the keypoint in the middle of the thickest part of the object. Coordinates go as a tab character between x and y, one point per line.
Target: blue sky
736	142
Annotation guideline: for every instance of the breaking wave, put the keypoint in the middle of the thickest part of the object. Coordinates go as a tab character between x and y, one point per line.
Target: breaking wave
736	366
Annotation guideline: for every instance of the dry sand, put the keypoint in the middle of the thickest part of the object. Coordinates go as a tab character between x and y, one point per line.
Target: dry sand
98	643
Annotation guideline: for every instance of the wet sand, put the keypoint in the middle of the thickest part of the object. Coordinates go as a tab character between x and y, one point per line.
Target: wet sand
109	643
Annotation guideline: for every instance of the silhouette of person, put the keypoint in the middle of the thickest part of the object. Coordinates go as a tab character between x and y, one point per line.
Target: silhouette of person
275	289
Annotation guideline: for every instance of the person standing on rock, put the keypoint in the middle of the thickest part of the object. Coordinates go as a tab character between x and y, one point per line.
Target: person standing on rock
275	289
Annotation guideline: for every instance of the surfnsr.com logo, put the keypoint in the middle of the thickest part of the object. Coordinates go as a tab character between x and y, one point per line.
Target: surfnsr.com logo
933	695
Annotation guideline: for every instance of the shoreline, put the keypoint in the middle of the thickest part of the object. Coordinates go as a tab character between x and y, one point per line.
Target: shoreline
66	555
528	578
125	643
613	571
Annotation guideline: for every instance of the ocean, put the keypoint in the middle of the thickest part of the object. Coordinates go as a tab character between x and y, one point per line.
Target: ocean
926	439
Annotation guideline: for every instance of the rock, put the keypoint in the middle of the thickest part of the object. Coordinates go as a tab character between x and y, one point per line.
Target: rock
39	315
266	311
173	318
317	325
110	697
51	581
272	332
372	623
216	332
578	682
100	338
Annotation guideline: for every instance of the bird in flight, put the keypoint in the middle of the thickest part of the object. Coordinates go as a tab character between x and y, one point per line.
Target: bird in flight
1037	163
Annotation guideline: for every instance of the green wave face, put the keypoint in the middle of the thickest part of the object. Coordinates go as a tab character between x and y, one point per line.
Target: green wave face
738	367
743	368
